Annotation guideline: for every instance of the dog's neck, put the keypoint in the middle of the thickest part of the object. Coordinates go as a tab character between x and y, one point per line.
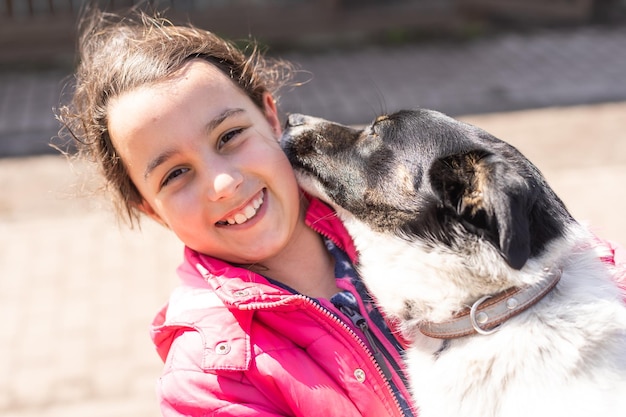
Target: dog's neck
489	312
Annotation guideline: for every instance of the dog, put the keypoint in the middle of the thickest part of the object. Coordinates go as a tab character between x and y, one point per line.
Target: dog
504	298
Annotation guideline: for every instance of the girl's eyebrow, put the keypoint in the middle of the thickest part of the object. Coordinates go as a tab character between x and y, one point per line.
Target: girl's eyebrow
210	126
217	120
159	160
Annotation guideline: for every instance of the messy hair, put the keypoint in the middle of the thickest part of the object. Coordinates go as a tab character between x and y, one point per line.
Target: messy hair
120	53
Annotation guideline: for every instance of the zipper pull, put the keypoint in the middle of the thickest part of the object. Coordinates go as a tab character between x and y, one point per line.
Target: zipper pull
361	323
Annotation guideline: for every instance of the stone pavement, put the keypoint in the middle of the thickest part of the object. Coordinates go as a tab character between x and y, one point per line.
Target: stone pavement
77	291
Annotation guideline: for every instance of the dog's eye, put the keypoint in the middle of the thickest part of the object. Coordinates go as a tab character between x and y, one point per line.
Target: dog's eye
375	126
371	131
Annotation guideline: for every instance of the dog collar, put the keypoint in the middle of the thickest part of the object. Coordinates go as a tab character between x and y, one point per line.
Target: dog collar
487	313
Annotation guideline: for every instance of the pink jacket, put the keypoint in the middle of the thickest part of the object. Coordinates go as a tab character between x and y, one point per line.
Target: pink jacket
236	345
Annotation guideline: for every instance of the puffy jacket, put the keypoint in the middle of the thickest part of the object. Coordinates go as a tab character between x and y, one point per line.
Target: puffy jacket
234	344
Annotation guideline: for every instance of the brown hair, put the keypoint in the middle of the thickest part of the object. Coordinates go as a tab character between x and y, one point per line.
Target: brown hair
120	53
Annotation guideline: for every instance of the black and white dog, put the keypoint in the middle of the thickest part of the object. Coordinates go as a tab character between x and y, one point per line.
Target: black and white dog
504	297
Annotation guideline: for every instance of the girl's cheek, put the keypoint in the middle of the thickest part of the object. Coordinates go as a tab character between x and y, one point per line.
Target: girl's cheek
186	202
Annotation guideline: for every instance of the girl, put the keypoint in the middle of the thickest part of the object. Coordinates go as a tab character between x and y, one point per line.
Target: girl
270	318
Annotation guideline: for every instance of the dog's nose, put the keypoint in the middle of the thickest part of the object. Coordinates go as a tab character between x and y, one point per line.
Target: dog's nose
295	119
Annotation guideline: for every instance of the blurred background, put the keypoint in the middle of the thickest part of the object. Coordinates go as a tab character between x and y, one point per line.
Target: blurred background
358	57
78	289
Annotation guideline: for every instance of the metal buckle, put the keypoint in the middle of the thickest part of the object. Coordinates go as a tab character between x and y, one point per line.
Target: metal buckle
481	317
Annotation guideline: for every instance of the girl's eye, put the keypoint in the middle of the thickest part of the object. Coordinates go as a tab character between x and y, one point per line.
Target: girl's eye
228	136
172	175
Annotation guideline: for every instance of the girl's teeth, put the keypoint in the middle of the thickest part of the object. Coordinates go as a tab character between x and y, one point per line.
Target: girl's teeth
240	218
249	211
247	214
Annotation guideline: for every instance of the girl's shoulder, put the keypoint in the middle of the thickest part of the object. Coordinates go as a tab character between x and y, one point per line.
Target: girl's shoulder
204	319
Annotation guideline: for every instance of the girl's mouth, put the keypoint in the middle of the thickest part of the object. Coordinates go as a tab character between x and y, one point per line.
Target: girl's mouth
245	214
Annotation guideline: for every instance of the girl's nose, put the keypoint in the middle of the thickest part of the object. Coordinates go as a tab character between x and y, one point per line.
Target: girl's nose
223	183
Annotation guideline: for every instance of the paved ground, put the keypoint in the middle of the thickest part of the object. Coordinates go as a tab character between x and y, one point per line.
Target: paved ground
77	292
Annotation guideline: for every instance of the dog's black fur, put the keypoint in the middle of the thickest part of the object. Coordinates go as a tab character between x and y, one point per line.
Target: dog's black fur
461	175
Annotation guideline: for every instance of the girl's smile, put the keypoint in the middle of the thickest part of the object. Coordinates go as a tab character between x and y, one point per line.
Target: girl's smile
245	214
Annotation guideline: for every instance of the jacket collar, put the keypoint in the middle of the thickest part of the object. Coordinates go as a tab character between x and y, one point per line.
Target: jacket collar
323	219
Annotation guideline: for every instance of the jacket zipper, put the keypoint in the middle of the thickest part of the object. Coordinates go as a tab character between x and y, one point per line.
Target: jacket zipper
361	323
375	356
380	366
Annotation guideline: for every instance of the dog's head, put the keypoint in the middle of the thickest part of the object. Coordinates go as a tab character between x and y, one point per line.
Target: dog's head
423	174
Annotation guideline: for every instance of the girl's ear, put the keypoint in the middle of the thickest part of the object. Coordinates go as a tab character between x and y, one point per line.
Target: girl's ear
271	113
147	209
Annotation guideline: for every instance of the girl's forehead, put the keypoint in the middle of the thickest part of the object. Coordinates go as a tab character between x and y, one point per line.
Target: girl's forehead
191	96
195	80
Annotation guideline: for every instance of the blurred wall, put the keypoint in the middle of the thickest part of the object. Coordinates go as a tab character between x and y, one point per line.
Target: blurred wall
42	32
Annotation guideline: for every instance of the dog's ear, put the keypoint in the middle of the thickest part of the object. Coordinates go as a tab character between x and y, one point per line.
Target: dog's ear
489	197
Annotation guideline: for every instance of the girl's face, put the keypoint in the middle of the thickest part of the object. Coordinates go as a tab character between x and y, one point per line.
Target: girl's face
208	164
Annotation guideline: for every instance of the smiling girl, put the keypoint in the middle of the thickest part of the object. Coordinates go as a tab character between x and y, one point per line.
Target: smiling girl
270	318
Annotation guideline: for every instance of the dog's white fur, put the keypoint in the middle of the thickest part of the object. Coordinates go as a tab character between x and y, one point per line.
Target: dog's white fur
566	356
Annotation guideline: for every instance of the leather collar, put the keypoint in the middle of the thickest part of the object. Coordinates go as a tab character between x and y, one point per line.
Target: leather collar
488	312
